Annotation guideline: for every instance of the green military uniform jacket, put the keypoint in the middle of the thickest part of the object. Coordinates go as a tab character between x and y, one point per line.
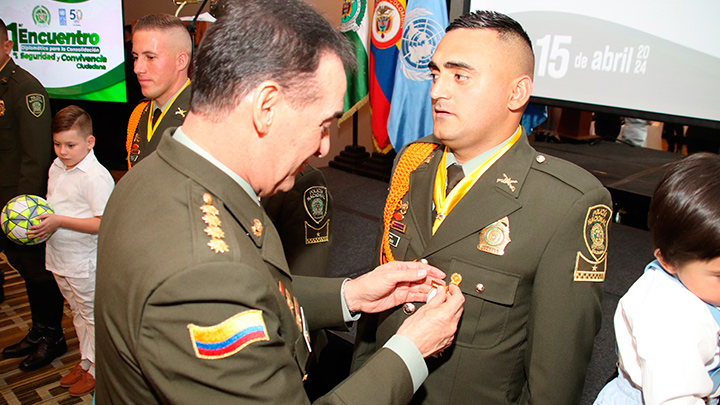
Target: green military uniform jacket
519	238
173	118
302	218
162	273
25	139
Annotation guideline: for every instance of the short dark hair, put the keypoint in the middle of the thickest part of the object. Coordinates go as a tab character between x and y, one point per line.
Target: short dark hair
3	30
685	210
72	116
254	41
507	29
159	22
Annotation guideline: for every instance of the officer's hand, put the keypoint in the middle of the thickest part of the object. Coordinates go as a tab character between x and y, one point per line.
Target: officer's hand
390	285
432	328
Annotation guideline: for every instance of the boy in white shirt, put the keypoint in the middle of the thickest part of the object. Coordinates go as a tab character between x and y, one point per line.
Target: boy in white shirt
78	189
667	324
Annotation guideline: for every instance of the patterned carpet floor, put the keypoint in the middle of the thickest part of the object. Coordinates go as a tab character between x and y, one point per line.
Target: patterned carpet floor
40	386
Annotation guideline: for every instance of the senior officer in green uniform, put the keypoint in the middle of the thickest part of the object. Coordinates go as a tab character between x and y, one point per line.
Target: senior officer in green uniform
526	232
25	157
161	50
197	302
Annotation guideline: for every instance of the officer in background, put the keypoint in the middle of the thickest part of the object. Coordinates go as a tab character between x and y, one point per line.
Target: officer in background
302	217
162	49
25	157
526	233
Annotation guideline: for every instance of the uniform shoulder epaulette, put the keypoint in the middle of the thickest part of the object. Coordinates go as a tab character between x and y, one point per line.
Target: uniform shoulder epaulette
566	172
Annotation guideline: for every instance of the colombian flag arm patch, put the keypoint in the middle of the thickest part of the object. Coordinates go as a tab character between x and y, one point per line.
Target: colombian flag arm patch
228	337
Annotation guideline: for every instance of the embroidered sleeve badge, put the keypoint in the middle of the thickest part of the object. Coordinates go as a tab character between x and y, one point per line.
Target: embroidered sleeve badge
35	104
595	235
228	337
315	199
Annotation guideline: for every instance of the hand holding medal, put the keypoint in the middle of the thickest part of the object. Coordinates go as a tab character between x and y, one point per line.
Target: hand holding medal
455	279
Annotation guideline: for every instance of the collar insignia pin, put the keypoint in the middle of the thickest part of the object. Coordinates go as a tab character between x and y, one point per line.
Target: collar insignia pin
508	182
257	227
180	112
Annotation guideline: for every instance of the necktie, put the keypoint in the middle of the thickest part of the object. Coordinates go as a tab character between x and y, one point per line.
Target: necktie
156	115
454	175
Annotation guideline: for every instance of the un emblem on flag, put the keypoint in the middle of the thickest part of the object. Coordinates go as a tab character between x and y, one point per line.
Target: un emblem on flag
420	38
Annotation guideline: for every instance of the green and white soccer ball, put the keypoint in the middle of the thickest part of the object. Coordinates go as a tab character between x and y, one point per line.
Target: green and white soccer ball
20	213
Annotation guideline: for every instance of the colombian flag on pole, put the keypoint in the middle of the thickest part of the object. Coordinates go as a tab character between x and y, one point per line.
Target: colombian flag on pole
354	25
411	112
386	31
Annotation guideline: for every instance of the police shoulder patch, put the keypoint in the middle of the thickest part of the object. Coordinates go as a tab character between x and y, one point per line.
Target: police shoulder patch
315	201
229	336
595	235
35	104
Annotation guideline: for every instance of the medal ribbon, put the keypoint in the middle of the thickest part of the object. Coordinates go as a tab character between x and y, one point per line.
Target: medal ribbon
443	204
151	127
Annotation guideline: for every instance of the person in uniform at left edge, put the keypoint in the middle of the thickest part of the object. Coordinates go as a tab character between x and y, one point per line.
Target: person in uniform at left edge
161	49
25	157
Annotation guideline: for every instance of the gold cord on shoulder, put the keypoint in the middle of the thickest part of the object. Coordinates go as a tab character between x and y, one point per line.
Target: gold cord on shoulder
414	155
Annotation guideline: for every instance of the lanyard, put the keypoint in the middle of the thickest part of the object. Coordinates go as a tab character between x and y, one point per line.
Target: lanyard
443	204
151	127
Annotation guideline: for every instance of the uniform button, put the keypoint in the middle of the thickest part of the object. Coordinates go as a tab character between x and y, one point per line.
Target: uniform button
409	308
304	377
479	287
540	158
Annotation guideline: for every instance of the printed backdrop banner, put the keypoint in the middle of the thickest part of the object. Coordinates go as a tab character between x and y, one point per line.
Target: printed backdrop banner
386	31
354	25
74	47
411	109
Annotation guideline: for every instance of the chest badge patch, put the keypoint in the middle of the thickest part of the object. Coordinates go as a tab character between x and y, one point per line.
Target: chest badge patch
595	233
494	237
229	336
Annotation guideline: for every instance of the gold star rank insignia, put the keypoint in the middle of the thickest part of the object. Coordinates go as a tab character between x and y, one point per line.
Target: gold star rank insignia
218	245
213	230
180	112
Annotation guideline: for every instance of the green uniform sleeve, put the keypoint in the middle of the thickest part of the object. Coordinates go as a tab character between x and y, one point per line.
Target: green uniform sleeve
35	138
566	314
262	372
